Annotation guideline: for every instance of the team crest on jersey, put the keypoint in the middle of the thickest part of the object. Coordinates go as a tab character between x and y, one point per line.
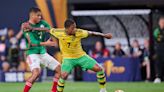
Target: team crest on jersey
42	26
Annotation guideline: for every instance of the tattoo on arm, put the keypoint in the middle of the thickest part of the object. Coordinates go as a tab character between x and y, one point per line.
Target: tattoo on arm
95	33
107	35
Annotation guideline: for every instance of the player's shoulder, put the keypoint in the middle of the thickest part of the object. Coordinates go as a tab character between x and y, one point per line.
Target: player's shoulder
81	33
80	30
58	30
43	21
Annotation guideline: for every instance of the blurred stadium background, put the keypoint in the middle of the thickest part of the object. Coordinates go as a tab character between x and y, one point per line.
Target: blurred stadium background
130	21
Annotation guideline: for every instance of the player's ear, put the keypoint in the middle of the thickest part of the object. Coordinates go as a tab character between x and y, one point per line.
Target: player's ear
31	14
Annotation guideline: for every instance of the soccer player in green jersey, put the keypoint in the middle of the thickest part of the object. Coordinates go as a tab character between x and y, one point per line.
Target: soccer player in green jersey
159	49
73	54
36	52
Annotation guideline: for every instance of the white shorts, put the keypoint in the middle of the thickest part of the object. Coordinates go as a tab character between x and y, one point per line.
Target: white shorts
36	60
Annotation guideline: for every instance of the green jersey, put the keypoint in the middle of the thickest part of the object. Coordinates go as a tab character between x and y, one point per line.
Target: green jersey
36	37
159	35
156	33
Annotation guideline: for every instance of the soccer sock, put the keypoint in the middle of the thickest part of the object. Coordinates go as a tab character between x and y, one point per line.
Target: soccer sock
101	79
55	83
27	86
60	86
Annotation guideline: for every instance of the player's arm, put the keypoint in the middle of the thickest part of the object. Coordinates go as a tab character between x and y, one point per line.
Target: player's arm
49	42
108	35
19	35
41	29
27	27
37	43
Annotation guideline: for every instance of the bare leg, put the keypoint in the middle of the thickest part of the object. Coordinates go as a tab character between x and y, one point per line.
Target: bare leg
147	64
100	77
148	70
56	78
31	79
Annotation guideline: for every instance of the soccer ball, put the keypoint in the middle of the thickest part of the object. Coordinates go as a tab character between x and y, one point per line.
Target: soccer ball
119	91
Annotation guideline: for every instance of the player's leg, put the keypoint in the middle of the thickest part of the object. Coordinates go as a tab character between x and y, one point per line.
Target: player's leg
100	77
56	78
61	82
66	68
54	65
147	65
158	68
89	63
33	61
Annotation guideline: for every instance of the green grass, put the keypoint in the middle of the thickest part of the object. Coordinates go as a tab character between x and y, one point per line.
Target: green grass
86	87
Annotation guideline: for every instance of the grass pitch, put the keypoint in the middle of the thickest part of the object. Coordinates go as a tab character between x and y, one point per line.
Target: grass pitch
86	87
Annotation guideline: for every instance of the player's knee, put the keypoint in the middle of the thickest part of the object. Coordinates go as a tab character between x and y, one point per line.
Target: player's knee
97	68
64	75
35	73
58	69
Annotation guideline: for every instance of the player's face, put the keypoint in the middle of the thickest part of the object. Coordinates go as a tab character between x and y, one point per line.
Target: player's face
72	29
98	46
161	23
37	17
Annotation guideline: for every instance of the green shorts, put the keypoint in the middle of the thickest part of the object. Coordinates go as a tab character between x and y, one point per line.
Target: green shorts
85	62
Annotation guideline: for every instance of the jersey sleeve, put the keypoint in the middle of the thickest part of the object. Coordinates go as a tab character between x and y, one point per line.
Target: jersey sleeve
82	33
56	33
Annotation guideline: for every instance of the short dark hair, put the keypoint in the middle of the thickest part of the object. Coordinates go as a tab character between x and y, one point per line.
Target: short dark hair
34	9
68	23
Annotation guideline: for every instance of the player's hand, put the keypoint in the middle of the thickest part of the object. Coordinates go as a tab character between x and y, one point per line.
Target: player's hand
108	35
49	43
26	26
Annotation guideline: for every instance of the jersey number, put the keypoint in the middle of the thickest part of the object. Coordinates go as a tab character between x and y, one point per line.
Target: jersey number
40	35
